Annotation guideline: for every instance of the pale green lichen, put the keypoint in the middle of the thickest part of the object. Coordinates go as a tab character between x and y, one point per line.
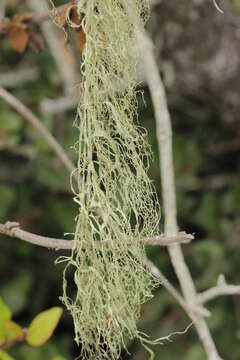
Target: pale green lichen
116	199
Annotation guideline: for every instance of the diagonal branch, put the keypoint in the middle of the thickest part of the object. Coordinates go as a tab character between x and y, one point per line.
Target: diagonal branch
222	288
191	311
164	135
38	125
13	229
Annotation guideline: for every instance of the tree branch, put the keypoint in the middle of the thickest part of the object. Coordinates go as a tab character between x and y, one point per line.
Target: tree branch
164	135
55	106
12	79
45	15
13	229
163	240
190	310
37	124
222	288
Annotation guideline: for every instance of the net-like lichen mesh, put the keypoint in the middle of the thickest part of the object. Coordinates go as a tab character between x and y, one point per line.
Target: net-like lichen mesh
117	202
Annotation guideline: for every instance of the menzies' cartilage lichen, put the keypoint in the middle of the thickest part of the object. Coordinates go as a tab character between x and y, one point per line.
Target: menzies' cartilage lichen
117	203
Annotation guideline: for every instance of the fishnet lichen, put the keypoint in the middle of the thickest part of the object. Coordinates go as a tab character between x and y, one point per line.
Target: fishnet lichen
116	199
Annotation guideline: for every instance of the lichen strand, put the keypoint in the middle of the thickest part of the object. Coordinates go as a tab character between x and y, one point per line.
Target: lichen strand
117	203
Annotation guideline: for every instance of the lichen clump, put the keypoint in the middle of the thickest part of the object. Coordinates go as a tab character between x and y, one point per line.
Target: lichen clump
116	199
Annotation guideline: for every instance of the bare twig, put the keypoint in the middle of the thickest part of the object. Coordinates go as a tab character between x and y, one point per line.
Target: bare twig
13	229
15	78
43	16
190	311
222	288
59	105
162	240
164	135
36	123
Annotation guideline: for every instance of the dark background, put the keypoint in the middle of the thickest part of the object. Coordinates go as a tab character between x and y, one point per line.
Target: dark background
198	52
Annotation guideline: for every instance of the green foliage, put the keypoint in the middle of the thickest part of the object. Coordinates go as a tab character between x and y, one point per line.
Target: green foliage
4	355
20	284
7	198
12	330
5	314
39	332
43	326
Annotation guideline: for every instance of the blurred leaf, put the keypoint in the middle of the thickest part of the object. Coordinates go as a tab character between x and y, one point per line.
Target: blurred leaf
58	358
12	330
206	252
187	155
10	121
196	353
64	213
47	175
5	314
43	326
5	356
236	196
18	38
16	291
207	213
7	196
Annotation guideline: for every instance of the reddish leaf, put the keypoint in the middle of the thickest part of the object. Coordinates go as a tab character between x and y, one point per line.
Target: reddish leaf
81	39
12	330
22	18
18	37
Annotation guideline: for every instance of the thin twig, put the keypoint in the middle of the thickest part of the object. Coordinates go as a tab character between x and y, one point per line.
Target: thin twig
13	79
163	240
13	229
190	311
222	288
59	105
45	15
37	124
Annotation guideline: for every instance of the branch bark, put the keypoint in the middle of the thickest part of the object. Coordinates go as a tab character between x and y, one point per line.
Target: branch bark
190	311
13	229
222	288
12	79
164	135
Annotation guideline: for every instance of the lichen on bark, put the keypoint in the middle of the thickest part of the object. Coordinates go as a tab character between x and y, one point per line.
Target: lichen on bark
116	199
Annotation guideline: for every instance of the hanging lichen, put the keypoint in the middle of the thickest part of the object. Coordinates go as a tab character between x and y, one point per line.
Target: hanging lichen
117	203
